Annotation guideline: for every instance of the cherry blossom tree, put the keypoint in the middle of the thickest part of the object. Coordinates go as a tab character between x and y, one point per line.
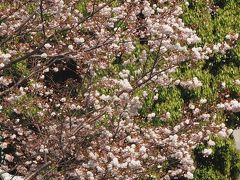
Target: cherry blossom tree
79	80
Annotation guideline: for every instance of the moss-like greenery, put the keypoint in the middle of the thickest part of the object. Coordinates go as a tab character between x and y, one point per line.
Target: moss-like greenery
169	100
28	112
82	7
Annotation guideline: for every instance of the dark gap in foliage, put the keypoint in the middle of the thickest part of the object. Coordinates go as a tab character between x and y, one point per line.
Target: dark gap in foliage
140	16
10	149
172	163
65	78
220	3
186	95
118	59
143	40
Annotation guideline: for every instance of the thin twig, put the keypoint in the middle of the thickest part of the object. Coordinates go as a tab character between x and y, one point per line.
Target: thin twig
42	18
33	175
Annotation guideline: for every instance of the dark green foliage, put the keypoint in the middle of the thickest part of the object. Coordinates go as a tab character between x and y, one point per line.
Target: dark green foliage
221	21
216	63
118	60
233	119
223	163
217	23
208	174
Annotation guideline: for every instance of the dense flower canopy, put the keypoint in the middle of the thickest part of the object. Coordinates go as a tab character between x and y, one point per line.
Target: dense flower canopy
83	82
